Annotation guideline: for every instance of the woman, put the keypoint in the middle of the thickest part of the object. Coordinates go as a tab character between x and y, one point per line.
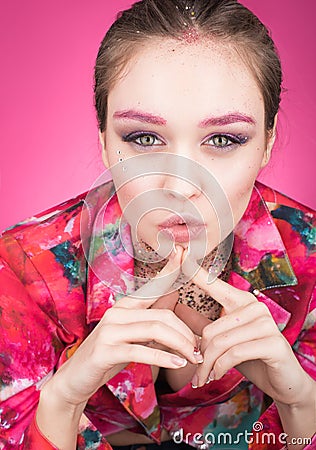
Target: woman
187	95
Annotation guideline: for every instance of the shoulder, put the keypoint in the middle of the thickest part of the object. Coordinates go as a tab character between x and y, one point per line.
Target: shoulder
59	223
296	225
296	222
43	259
276	199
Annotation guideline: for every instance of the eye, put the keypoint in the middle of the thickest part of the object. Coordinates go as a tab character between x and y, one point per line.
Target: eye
143	139
146	139
221	141
225	141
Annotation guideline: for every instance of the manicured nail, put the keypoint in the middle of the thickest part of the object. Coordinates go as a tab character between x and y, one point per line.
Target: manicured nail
177	361
195	381
198	356
211	377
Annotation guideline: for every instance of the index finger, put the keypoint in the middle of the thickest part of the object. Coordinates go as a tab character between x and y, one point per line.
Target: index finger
228	296
158	286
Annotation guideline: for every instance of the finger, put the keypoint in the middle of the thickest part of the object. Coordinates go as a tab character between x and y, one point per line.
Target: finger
147	355
123	317
146	295
240	317
267	350
120	334
228	296
225	342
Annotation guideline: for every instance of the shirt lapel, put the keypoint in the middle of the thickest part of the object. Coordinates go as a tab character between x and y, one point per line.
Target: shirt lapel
110	277
259	253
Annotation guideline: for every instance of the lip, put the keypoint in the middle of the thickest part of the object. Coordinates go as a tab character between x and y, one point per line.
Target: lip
182	228
185	218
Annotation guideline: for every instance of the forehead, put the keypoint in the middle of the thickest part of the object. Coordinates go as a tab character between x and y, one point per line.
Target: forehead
202	75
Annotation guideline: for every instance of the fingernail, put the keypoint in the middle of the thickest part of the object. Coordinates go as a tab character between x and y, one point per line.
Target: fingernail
211	377
198	356
177	361
195	381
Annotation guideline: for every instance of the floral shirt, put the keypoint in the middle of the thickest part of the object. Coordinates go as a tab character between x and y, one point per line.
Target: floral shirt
62	269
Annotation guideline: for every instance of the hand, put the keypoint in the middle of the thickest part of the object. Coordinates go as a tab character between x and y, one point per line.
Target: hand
119	337
246	337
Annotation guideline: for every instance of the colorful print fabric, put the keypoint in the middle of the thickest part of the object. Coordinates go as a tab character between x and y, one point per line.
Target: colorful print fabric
52	294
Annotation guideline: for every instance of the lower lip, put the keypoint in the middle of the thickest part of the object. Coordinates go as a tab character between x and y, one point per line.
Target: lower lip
181	233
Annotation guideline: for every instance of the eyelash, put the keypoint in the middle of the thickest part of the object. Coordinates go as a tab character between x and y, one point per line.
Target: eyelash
132	137
235	140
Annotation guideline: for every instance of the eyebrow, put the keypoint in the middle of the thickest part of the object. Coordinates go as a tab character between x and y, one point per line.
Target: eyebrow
226	119
140	116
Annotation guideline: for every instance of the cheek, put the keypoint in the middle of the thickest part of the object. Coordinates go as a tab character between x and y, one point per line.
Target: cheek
136	195
240	185
127	193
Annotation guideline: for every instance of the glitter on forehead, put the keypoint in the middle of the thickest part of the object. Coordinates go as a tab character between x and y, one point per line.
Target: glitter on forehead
190	36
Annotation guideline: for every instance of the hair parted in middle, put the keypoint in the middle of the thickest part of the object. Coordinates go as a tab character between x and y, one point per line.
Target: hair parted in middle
222	21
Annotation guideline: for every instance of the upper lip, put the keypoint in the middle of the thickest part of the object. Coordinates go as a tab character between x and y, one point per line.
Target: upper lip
184	218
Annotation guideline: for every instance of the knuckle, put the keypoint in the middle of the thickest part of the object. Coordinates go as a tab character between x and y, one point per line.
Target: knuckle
266	323
129	353
220	365
281	341
259	308
263	309
219	341
233	354
250	297
206	333
109	315
156	360
251	307
169	315
155	327
106	330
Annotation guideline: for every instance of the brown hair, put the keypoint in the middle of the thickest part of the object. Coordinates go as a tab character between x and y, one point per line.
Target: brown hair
225	20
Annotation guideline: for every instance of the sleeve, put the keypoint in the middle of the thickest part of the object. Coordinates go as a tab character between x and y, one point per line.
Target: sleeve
305	351
89	437
30	351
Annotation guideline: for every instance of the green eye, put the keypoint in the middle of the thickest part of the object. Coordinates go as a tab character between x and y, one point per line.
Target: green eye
143	139
225	142
220	141
146	140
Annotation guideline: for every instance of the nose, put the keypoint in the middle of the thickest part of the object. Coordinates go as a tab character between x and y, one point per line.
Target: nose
179	188
181	180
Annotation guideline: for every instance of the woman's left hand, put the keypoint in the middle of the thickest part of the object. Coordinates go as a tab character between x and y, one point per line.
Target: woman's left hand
247	338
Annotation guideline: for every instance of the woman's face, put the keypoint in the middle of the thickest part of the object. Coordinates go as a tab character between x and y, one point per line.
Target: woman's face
194	100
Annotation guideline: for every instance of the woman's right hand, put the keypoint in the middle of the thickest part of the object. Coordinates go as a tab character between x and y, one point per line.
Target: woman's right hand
121	337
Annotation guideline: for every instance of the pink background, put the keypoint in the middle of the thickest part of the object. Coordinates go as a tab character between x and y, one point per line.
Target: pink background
49	139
